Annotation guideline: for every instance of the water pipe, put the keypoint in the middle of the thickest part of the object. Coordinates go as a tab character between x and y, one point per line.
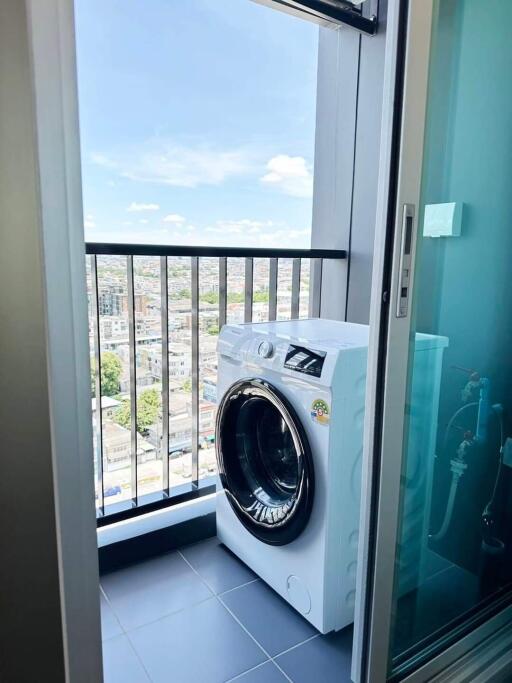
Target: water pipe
458	466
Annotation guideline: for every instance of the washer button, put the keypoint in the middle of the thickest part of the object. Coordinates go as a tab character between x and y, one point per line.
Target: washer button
265	349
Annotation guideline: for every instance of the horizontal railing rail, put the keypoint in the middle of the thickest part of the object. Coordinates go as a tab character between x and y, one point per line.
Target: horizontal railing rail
168	493
122	249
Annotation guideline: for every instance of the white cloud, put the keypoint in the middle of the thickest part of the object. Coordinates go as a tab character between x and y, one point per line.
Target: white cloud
300	239
144	221
270	234
291	175
164	162
253	233
243	226
174	218
89	222
134	206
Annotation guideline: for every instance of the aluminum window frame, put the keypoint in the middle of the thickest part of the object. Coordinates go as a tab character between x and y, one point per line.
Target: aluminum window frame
363	16
401	172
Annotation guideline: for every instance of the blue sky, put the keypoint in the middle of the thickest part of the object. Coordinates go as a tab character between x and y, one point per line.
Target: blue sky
197	122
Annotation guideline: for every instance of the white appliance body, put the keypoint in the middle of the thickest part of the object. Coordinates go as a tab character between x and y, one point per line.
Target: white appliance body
315	572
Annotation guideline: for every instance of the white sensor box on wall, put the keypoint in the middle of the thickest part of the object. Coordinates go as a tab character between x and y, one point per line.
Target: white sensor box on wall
443	220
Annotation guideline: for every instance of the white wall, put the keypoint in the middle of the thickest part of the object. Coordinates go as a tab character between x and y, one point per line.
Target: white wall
49	624
348	128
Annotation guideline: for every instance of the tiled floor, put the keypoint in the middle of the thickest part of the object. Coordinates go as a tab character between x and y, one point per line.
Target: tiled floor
199	615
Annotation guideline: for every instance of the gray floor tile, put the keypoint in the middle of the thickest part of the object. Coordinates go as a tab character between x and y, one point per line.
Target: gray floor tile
218	567
153	589
326	659
110	626
202	644
268	617
267	673
120	663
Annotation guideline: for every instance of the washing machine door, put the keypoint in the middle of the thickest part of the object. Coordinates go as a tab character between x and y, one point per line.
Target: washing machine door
264	460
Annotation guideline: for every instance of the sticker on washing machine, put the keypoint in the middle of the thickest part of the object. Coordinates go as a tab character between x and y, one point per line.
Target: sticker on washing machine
320	411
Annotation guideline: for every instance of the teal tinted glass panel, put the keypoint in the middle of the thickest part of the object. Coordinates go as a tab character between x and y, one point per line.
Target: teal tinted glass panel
455	548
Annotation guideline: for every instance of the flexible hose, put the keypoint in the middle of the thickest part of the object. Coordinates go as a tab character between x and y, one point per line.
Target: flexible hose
450	504
449	508
473	404
457	472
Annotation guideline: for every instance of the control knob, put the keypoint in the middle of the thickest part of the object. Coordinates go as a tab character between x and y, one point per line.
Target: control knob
265	349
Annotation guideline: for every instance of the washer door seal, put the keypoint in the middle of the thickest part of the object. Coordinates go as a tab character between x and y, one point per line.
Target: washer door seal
264	459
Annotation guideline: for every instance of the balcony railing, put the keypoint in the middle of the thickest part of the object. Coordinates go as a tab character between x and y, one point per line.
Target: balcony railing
154	316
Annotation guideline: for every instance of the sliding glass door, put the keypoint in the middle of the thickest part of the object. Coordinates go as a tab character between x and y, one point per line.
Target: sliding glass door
441	523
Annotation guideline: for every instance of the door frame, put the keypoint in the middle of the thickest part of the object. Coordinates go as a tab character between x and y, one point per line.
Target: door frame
56	142
401	160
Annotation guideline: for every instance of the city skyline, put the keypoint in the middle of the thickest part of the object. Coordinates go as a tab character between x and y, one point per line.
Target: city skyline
113	306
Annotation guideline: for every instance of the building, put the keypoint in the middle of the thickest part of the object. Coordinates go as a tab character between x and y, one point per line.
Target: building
117	447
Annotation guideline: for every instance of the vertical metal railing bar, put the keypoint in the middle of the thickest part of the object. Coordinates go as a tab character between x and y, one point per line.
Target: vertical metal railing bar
194	271
294	309
315	287
133	377
249	282
164	310
98	436
223	291
272	288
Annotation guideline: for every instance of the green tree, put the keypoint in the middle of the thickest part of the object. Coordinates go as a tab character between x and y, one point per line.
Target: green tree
261	296
180	295
235	297
111	369
187	385
209	298
213	330
148	407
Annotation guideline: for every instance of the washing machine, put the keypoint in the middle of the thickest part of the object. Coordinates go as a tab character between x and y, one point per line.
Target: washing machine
289	438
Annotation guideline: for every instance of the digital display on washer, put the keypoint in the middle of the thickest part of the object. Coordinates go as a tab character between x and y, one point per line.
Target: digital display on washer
302	359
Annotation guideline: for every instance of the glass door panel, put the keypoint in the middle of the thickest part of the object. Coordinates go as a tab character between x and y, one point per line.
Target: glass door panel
454	551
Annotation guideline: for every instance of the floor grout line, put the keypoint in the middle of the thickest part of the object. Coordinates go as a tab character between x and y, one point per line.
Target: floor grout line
243	673
218	597
182	551
271	658
169	614
109	603
253	638
302	642
138	657
242	585
123	633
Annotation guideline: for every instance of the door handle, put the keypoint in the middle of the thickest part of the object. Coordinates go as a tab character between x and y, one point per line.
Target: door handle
404	277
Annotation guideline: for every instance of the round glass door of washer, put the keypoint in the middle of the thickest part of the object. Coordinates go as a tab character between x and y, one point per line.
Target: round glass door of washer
264	459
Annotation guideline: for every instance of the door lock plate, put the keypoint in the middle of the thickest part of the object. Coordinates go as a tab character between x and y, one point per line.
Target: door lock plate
404	278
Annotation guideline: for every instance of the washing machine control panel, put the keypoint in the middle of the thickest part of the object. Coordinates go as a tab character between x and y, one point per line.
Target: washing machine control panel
302	359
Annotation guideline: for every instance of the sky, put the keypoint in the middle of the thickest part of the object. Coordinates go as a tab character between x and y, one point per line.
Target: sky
197	122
